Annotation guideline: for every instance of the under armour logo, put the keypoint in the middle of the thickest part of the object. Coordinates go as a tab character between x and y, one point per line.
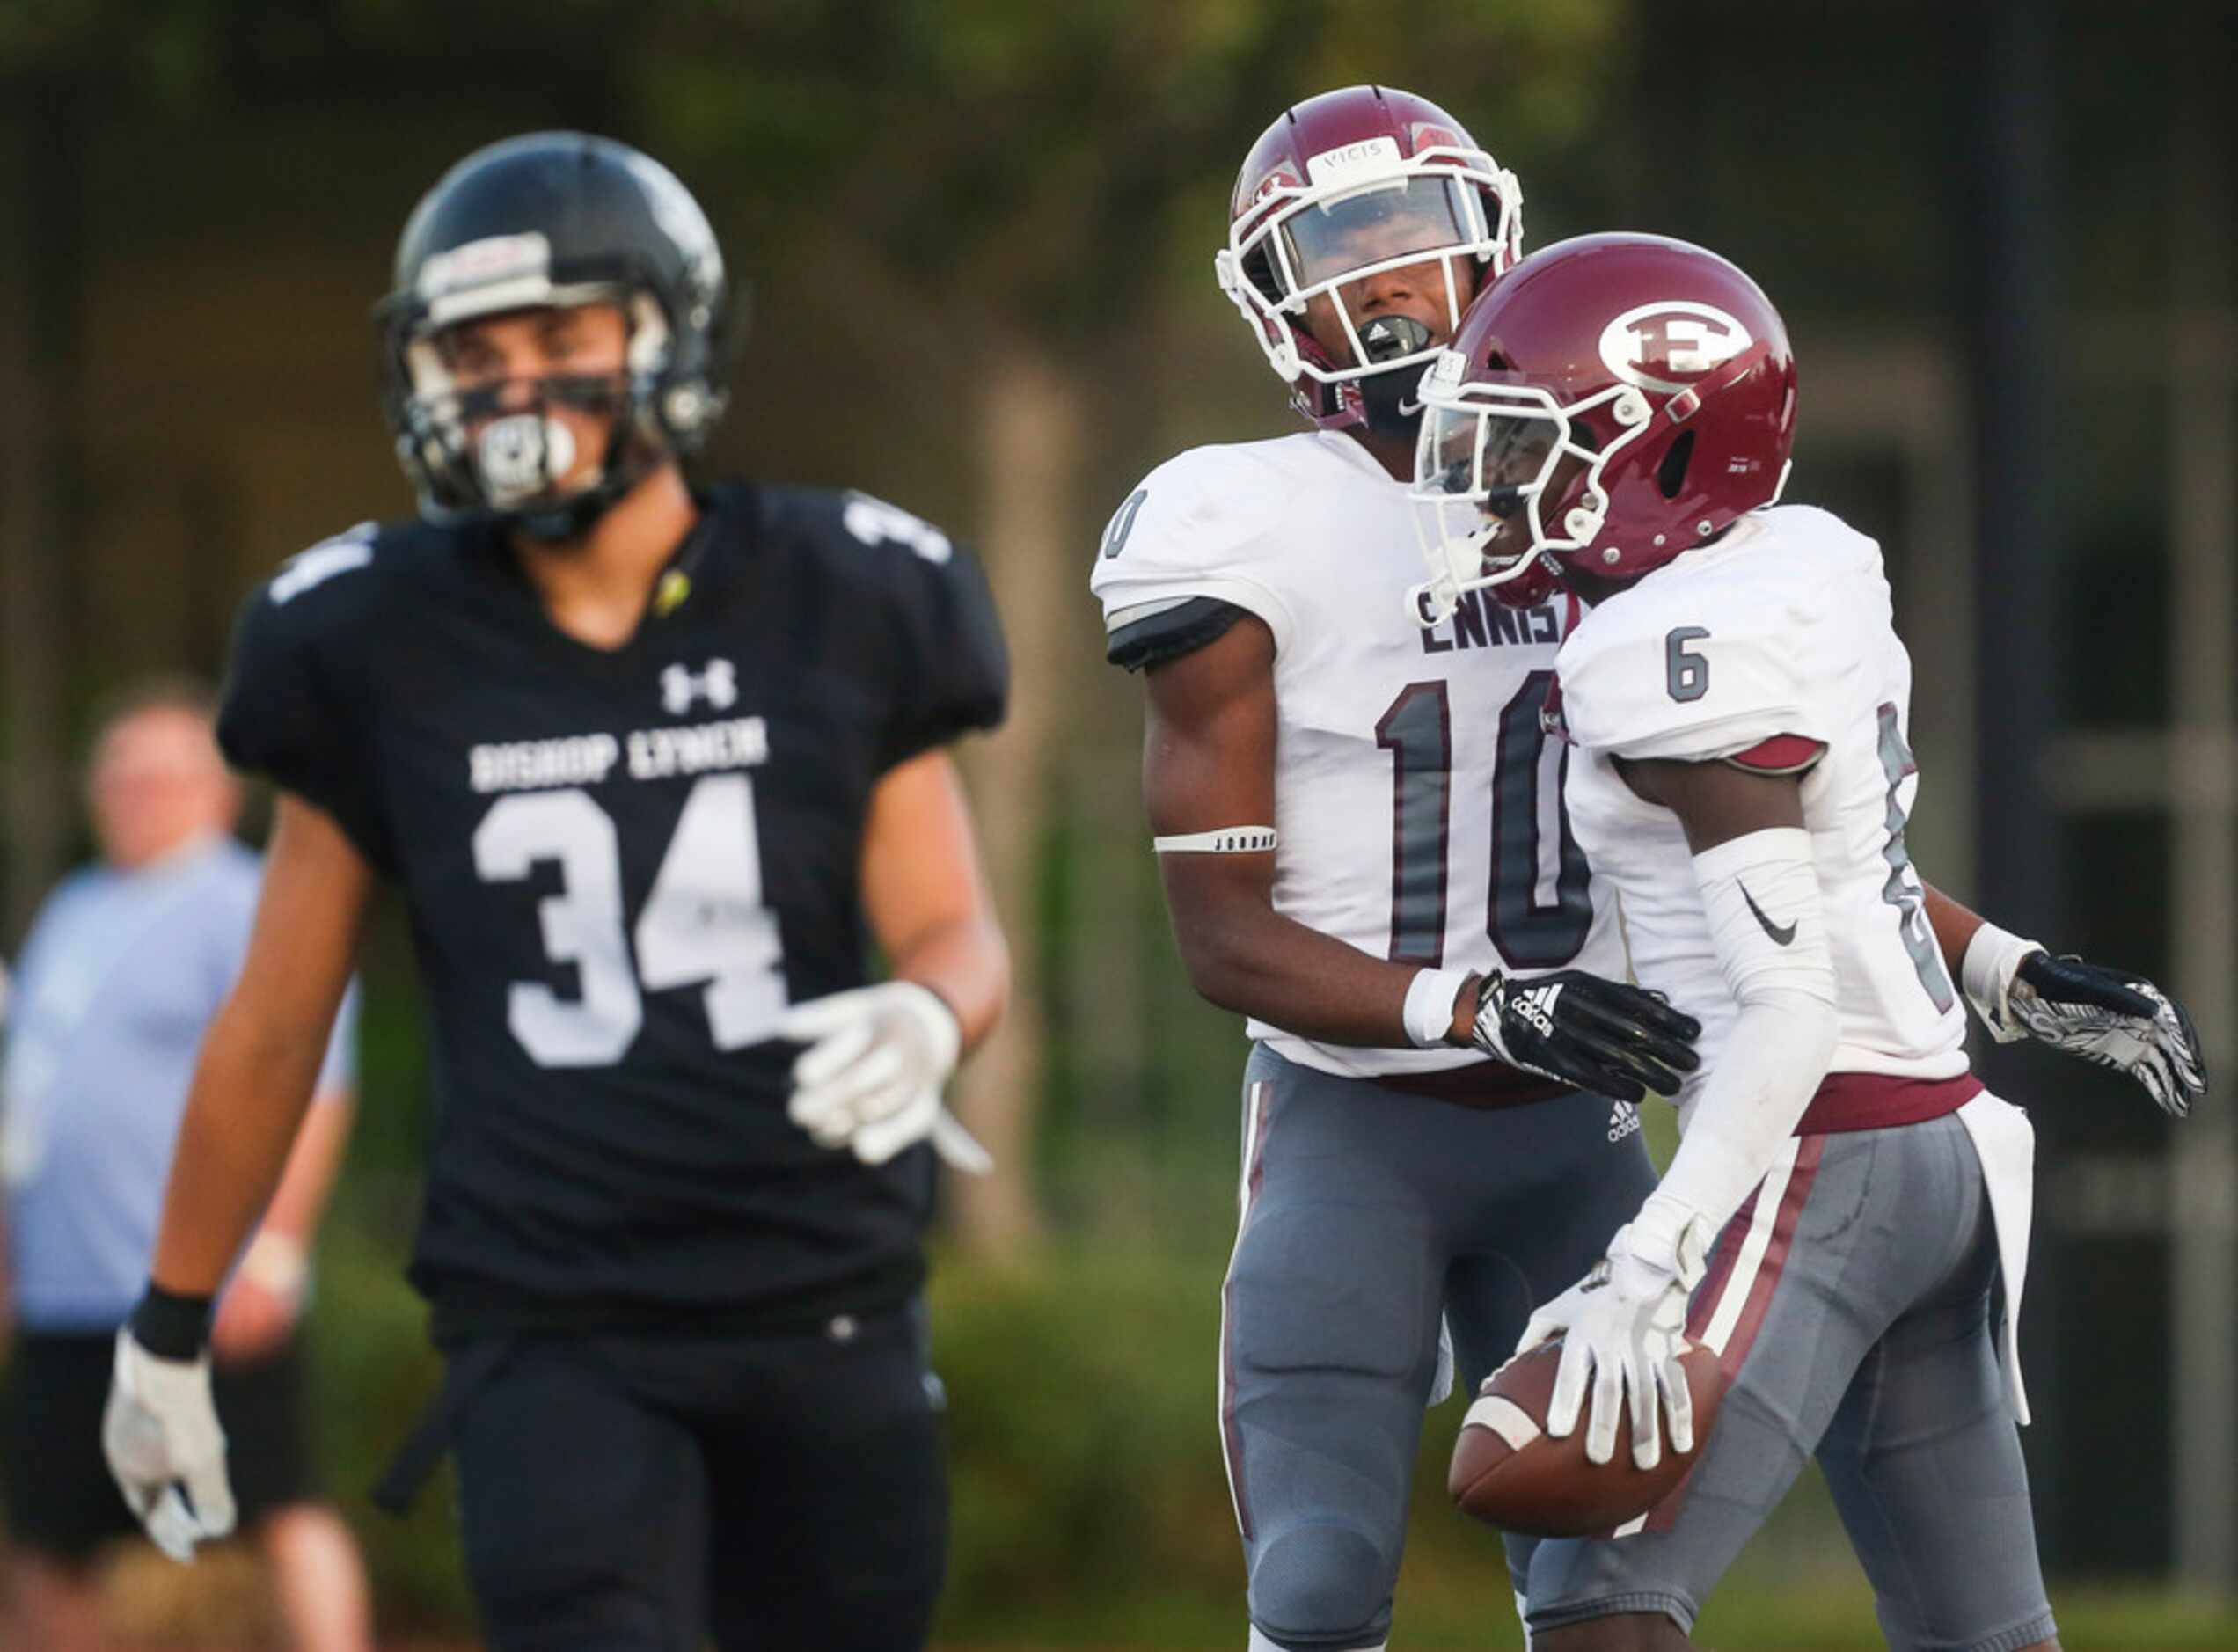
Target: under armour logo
718	684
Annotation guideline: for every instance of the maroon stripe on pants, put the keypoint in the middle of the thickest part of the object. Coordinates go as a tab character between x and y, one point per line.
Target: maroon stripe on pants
1723	1256
1809	1151
1231	1436
1760	1289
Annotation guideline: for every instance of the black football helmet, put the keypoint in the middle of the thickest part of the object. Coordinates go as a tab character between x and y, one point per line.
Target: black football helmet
553	219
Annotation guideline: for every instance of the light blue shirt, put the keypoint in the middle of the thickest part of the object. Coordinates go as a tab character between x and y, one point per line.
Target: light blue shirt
120	976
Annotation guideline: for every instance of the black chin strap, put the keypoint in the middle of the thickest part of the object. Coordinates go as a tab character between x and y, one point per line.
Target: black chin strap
1390	400
572	517
1389	403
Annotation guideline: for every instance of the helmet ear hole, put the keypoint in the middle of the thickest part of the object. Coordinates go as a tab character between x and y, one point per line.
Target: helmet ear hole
1671	475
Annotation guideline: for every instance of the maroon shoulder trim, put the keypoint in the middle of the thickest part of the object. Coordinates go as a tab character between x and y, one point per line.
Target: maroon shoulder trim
1782	754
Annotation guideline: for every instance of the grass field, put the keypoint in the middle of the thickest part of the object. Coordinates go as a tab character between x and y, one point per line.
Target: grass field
1052	1548
162	1609
1836	1617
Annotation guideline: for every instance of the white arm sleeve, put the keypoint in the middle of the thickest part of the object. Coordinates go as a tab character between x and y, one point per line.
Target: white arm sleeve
1765	918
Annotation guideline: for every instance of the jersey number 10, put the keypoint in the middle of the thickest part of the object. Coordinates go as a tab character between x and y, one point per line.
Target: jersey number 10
1529	934
703	920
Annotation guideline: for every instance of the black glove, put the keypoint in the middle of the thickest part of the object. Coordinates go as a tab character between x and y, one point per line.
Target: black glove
1613	1040
2114	1018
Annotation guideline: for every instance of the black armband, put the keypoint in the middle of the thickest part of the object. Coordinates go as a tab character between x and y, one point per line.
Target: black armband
171	1327
1171	633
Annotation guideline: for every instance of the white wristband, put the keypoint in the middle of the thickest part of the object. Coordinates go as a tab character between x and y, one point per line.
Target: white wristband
1229	840
1993	956
1430	997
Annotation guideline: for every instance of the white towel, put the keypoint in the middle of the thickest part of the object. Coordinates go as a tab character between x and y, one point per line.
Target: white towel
2004	1142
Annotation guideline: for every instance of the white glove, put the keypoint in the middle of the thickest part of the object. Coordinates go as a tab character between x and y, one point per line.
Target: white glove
166	1448
870	1079
1623	1327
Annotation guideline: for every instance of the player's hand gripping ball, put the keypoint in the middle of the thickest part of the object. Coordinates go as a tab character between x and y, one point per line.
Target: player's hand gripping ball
1506	1470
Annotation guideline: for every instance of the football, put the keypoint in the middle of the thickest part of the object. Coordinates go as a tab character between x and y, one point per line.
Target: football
1507	1471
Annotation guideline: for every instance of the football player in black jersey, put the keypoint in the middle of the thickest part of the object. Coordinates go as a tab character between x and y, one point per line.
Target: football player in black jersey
655	772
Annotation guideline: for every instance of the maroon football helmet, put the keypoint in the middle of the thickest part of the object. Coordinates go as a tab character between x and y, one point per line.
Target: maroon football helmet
1658	369
1339	187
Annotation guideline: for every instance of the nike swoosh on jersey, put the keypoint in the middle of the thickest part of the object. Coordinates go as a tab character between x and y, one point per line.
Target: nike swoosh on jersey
1780	936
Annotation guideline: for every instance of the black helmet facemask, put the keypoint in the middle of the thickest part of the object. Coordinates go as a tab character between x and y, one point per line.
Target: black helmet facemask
519	453
553	220
498	449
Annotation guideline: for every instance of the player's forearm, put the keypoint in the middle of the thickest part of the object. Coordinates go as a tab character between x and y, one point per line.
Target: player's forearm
250	1091
1253	961
299	1204
1955	927
967	962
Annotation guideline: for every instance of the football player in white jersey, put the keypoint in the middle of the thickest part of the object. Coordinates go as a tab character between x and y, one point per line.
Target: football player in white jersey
1845	1222
1360	828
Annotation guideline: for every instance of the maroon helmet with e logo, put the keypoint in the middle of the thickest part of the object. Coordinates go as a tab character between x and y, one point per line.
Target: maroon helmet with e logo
1609	403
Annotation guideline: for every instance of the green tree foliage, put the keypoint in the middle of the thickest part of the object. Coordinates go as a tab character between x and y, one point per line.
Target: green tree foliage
1065	159
1002	147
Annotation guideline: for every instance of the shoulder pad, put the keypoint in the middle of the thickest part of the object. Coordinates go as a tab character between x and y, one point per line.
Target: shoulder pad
846	520
311	591
1206	523
943	660
1167	633
346	553
1687	668
295	680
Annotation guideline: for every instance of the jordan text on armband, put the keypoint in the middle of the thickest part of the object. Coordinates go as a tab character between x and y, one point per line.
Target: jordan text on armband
1231	840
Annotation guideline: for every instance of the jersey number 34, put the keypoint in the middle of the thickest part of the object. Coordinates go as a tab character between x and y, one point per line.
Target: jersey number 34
703	920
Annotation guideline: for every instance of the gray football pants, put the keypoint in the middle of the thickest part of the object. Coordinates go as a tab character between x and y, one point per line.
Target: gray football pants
1367	1211
1862	1314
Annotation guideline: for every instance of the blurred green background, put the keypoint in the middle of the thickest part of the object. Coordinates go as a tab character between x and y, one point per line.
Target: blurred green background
978	238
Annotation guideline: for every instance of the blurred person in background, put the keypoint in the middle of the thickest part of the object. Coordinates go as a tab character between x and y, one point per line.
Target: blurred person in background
1361	835
653	769
123	968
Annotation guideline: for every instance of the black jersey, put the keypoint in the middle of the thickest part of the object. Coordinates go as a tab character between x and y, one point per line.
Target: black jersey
620	867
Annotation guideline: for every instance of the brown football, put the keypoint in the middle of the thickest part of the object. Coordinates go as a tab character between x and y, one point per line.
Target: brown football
1508	1470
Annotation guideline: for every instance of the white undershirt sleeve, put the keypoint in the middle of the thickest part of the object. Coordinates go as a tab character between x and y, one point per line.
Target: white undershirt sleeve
1993	956
1765	921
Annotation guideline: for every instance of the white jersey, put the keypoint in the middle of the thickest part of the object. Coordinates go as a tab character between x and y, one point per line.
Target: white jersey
1417	798
1780	632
